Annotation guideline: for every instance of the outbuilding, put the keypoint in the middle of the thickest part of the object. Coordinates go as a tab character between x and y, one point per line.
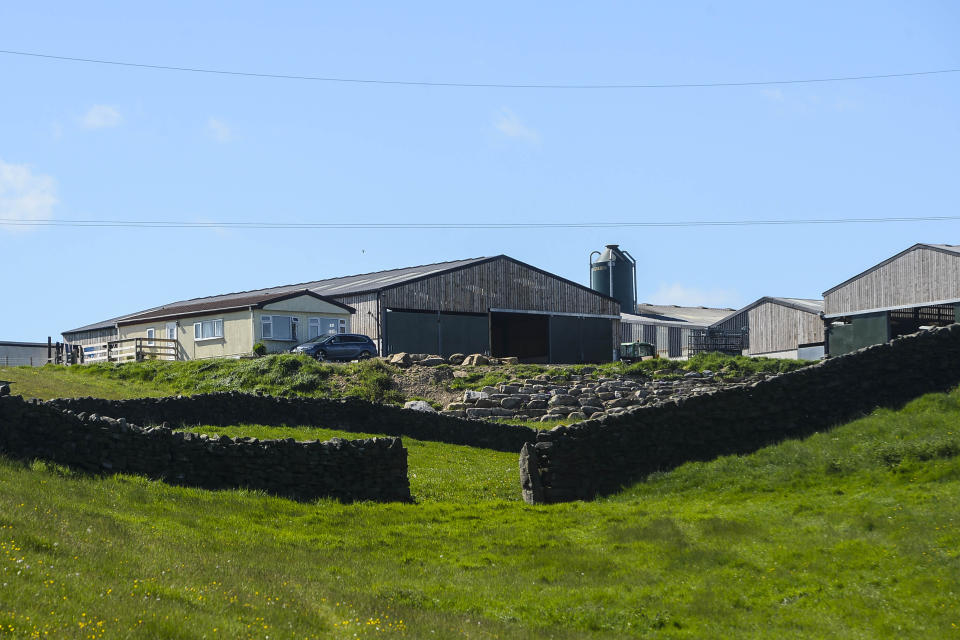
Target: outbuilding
918	287
669	328
776	327
18	354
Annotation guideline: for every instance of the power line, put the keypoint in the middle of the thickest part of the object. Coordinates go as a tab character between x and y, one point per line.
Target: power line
171	224
473	85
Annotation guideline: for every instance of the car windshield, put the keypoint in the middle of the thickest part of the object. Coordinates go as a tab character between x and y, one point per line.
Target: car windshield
318	340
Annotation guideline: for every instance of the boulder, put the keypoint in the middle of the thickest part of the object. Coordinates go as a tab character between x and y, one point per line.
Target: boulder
511	402
590	411
419	405
536	404
401	359
431	361
4	389
486	403
490	390
473	412
473	396
456	406
576	415
475	360
509	388
456	358
563	400
510	360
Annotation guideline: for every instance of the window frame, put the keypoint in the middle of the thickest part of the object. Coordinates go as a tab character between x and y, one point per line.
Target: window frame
216	330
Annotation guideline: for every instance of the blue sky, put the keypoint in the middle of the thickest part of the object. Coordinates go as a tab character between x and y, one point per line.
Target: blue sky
83	141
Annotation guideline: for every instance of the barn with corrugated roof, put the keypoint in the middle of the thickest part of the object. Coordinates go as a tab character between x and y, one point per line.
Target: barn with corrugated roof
494	305
918	287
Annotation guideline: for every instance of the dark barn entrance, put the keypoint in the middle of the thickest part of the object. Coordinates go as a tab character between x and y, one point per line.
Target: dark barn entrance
524	335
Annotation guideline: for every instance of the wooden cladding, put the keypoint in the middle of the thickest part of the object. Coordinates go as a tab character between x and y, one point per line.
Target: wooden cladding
775	327
365	319
498	284
916	278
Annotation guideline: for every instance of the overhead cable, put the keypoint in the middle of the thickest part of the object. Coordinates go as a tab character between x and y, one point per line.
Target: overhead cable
476	85
183	224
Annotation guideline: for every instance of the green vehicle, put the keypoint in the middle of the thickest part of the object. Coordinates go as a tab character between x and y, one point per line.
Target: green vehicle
636	351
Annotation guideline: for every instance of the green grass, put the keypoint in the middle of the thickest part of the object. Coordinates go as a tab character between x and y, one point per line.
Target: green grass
851	533
283	374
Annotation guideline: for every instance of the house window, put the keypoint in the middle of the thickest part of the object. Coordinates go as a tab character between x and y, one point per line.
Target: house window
151	333
324	327
208	329
279	327
343	326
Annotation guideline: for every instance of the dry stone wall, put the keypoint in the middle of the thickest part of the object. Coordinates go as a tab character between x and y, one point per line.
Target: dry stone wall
596	457
371	469
220	409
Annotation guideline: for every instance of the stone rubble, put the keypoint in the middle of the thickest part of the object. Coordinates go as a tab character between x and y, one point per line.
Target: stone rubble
544	398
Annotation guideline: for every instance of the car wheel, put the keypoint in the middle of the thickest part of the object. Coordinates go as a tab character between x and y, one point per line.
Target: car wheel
321	356
365	355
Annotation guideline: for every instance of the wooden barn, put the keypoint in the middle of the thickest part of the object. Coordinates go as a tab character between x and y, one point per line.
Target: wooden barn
668	328
919	287
498	306
778	328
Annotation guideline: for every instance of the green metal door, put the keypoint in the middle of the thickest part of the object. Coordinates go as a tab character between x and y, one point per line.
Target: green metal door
464	333
413	332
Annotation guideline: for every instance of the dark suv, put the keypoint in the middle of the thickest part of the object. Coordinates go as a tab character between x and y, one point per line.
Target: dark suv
343	346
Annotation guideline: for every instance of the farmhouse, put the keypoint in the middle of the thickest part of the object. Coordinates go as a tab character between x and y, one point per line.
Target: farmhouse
217	326
496	305
778	327
668	327
917	287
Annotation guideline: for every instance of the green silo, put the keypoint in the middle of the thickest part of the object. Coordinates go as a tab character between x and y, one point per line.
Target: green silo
614	273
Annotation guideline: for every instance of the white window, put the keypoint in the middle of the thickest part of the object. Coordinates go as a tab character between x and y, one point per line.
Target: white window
343	325
171	331
325	327
208	329
151	334
279	327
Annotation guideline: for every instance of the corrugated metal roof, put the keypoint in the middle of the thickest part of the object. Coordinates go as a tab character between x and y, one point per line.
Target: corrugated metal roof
331	287
699	316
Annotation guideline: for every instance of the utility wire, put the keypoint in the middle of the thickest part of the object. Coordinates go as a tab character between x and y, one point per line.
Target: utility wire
473	85
15	222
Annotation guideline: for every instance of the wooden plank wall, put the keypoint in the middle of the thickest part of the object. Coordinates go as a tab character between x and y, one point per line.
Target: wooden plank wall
96	336
775	327
500	284
916	278
365	319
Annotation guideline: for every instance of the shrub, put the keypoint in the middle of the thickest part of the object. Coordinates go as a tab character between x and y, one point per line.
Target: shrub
260	349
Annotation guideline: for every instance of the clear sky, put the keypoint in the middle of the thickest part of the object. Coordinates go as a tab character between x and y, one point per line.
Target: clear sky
93	142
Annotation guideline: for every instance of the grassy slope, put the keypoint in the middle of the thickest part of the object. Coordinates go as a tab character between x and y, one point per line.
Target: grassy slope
299	375
847	534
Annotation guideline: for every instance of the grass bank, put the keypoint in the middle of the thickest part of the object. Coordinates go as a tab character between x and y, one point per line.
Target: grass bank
847	534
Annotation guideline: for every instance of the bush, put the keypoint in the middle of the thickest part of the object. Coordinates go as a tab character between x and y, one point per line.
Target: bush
260	349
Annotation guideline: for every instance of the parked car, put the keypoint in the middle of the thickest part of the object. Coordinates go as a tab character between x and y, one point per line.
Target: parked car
343	346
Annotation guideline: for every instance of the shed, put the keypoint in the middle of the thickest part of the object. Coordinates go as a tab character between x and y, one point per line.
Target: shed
778	327
918	287
18	354
668	327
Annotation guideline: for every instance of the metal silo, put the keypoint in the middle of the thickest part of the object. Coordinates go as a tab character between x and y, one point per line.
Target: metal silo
614	273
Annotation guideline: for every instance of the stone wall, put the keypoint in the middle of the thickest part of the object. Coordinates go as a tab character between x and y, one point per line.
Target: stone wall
349	415
371	469
597	457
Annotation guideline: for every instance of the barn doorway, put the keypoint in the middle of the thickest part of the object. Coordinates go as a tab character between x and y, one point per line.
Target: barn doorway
524	335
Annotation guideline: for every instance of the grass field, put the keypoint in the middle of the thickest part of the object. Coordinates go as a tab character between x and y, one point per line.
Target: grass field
847	534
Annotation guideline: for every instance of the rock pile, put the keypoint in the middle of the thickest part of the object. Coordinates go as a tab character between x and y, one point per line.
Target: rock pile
543	398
